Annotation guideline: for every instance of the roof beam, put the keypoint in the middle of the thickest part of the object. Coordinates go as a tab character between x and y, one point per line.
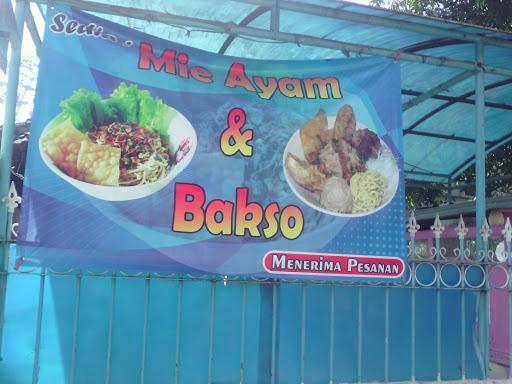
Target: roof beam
32	28
445	137
437	89
246	21
12	28
336	13
455	99
426	173
431	44
216	26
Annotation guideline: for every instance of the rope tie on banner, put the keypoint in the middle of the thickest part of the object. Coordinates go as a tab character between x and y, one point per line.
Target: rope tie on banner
297	40
397	55
19	263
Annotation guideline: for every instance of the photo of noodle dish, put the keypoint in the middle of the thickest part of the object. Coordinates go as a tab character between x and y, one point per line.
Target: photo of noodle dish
124	147
340	167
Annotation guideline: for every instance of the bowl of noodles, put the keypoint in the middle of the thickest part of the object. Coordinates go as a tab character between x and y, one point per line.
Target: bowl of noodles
126	147
340	167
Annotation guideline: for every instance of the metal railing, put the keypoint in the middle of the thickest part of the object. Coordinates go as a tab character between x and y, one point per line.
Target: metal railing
430	275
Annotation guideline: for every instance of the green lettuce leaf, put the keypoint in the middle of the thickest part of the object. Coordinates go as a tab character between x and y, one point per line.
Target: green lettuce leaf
127	103
127	97
85	108
144	109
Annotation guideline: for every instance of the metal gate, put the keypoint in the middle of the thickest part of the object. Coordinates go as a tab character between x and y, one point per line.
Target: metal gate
101	327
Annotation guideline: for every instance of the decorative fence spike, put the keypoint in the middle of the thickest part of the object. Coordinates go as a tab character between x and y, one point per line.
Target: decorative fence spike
412	225
486	231
12	200
461	228
438	227
507	231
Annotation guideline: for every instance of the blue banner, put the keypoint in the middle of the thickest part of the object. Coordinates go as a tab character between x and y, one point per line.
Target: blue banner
149	155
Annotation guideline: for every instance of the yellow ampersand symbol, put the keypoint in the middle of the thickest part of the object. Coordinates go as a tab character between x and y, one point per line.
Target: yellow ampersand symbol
233	140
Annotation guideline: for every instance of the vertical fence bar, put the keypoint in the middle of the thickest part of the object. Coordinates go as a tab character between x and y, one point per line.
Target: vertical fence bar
145	328
485	233
462	231
110	327
438	311
178	333
360	334
438	229
6	148
462	312
507	234
413	322
303	334
212	330
331	338
242	332
75	327
412	228
273	372
37	347
386	334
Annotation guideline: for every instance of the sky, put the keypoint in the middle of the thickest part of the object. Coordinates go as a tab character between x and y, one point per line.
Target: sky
28	70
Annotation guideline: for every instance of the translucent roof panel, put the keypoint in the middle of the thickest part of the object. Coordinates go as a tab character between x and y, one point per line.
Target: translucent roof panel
443	142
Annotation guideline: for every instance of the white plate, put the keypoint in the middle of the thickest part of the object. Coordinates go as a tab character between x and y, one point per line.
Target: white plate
179	130
385	164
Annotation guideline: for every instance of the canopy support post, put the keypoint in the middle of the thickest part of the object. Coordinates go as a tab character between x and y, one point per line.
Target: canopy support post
6	153
484	320
480	143
450	197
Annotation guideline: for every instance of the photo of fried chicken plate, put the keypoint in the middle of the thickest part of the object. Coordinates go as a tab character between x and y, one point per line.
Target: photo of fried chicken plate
305	174
332	157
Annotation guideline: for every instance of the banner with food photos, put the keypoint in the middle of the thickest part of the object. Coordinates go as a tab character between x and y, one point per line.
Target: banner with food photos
148	155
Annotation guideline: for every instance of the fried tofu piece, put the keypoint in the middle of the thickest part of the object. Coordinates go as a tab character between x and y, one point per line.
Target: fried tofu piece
345	123
306	175
62	144
99	164
311	135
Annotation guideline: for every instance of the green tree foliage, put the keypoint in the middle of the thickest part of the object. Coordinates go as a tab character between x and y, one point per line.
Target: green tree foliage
487	13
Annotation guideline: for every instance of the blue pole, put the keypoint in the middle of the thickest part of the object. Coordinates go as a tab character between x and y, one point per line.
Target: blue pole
480	145
10	117
480	192
11	99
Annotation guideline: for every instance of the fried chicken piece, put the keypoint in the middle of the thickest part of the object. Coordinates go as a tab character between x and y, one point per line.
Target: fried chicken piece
330	161
306	175
345	123
367	144
349	159
311	133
